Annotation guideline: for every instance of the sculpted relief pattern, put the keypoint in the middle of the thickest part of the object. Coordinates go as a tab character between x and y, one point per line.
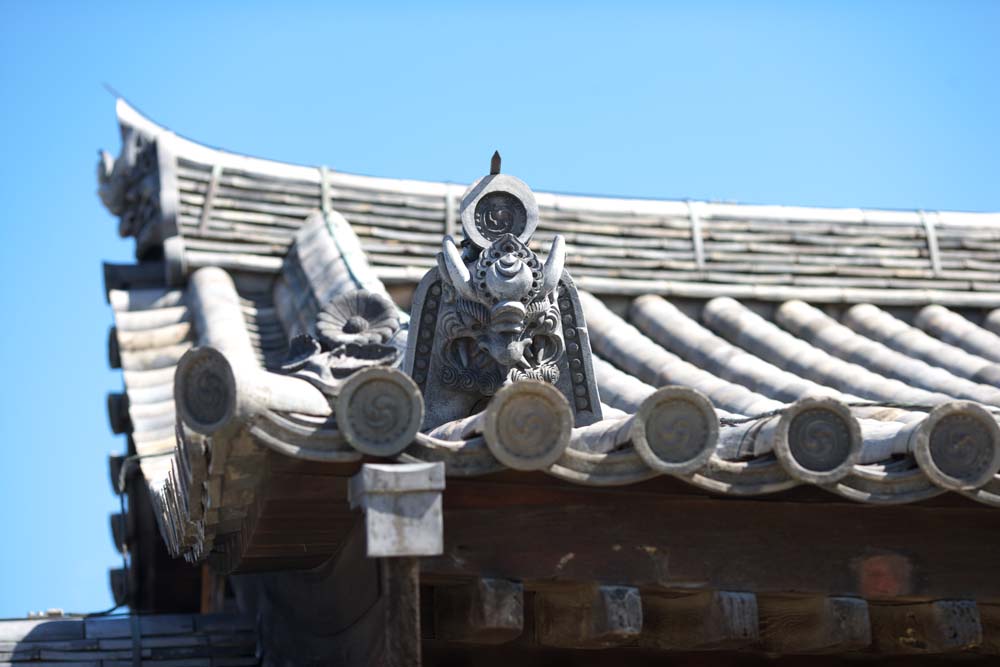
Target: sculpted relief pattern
493	312
355	330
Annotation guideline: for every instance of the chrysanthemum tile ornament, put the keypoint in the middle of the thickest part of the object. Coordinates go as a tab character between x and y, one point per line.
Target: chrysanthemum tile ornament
493	313
354	330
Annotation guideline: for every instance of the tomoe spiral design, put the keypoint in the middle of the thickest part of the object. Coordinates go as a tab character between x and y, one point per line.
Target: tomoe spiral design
528	425
379	411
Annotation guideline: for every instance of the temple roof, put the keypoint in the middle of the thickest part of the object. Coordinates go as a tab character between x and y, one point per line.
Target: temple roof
872	328
168	640
219	208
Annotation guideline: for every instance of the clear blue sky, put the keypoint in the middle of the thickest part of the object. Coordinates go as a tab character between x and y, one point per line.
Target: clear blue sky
828	103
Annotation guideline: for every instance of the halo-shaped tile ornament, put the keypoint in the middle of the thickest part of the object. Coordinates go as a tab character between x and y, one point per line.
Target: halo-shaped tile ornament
528	425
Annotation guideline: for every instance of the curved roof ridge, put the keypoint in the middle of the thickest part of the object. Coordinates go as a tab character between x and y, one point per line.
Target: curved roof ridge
129	116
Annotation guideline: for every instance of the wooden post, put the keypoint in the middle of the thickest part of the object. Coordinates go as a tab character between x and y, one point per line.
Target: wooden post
402	506
400	583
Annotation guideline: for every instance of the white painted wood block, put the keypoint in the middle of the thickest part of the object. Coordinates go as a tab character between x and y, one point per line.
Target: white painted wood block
402	506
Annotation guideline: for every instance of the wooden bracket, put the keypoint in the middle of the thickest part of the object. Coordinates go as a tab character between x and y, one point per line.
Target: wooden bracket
588	617
709	620
484	611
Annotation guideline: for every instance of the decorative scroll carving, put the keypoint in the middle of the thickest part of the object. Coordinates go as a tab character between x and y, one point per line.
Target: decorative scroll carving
353	332
493	312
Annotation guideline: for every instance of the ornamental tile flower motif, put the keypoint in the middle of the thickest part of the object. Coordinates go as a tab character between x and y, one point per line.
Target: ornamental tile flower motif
359	317
353	331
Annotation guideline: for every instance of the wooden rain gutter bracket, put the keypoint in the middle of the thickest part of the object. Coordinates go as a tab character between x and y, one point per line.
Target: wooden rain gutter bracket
403	521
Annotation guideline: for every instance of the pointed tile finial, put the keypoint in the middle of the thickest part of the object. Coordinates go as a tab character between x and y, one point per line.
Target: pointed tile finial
495	163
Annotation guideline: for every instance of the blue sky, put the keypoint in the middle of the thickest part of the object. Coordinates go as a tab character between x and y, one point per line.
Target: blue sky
886	104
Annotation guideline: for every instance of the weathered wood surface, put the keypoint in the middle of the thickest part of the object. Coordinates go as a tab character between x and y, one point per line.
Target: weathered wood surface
814	625
352	610
484	611
593	616
400	584
636	537
700	621
448	653
942	626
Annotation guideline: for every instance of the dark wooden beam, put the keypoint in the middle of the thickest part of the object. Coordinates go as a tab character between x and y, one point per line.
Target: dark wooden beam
484	611
642	537
943	626
814	625
708	620
989	617
588	616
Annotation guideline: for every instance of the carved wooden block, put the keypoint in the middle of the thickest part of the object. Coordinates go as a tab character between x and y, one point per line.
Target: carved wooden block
485	611
814	624
402	506
590	617
943	626
708	620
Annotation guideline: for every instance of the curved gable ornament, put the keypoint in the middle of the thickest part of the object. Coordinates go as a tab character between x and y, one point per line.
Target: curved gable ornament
493	312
